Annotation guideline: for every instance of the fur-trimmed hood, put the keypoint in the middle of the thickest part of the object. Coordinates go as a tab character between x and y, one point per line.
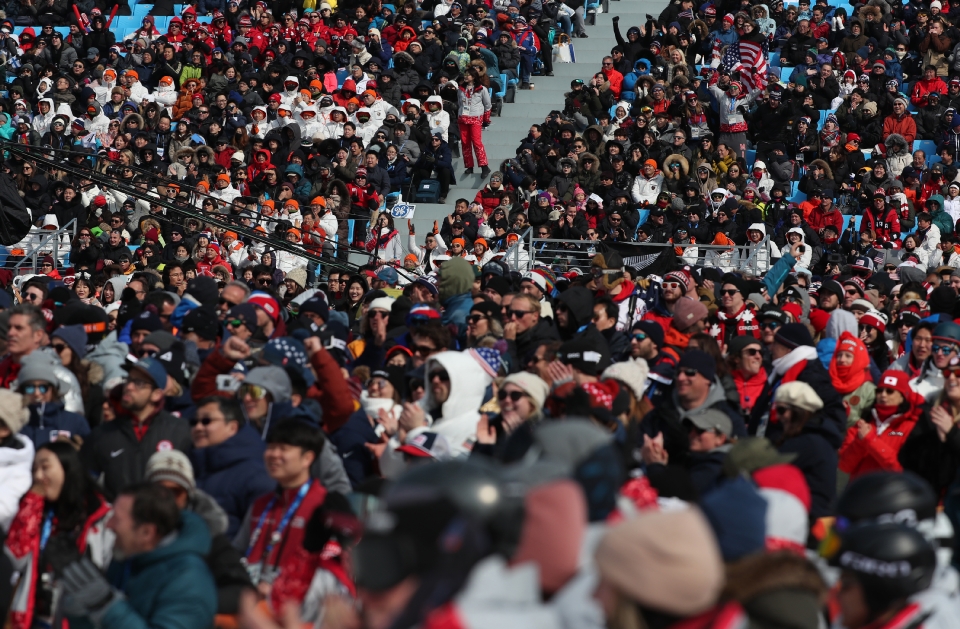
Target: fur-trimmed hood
676	159
822	163
589	157
895	139
778	589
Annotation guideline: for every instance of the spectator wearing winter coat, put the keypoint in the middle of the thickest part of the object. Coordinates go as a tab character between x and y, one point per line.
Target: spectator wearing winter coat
873	443
16	456
163	573
228	458
795	359
901	122
119	449
49	421
798	410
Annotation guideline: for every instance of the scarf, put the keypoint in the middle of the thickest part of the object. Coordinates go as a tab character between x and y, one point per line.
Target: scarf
744	323
783	364
883	416
847	379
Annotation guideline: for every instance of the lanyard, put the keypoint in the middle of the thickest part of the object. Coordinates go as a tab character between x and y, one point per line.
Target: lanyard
47	528
278	532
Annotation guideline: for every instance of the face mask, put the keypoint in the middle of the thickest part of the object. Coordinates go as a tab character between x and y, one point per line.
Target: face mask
182	258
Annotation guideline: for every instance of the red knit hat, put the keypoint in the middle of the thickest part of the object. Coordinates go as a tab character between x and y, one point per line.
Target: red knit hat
874	319
899	381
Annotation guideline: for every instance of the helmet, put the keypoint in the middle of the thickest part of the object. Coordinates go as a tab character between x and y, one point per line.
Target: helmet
888	496
422	507
891	562
477	491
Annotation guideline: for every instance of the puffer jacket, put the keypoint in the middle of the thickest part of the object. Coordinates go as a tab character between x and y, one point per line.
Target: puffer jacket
474	102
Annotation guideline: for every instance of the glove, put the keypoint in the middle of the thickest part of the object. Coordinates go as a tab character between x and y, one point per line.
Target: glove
616	18
86	591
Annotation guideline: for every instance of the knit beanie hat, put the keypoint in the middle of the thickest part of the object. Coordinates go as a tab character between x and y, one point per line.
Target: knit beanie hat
13	413
173	466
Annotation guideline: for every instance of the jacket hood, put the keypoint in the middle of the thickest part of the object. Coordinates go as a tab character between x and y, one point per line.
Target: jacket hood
676	159
827	171
203	504
590	157
895	139
468	384
578	301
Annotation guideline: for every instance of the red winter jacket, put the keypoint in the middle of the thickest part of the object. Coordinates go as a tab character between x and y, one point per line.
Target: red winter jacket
876	452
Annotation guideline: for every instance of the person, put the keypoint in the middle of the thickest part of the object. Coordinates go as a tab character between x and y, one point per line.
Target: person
49	421
521	397
745	358
271	535
869	597
227	458
116	448
687	589
874	442
850	376
473	113
16	455
930	450
158	573
74	516
798	406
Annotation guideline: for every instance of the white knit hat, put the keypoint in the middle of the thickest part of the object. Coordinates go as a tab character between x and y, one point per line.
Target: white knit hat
632	373
532	384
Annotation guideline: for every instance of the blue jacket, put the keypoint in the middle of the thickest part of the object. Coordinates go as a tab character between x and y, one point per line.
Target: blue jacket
47	420
232	473
167	588
350	440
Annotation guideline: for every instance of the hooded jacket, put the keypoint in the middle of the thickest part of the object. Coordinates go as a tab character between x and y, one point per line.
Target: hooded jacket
457	417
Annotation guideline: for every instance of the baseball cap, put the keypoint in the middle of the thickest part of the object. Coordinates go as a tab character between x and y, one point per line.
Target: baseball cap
152	368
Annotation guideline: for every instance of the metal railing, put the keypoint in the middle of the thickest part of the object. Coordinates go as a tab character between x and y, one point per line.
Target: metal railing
752	259
49	243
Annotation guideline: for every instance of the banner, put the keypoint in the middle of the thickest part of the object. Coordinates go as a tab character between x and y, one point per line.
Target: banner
403	210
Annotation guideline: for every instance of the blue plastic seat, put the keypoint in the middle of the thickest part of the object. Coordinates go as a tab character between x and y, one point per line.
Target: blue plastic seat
751	157
503	84
929	147
774	59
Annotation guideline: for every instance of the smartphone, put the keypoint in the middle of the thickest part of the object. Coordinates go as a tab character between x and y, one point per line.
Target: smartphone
226	382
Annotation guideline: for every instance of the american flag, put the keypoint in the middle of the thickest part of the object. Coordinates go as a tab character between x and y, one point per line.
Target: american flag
744	56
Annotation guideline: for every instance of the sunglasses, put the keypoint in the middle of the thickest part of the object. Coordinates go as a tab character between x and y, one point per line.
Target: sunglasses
851	291
206	421
254	391
689	372
475	319
30	389
639	336
518	314
943	349
950	371
751	351
729	292
770	325
264	282
443	376
513	395
422	350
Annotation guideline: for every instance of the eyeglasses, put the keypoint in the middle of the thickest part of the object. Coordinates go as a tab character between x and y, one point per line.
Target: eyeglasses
769	325
850	291
139	383
234	323
263	281
442	376
950	371
943	349
30	389
751	351
729	292
422	350
689	372
255	392
639	336
518	314
516	396
206	421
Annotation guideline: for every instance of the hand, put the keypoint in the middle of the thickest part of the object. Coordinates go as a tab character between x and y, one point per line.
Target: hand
942	420
86	591
795	250
510	331
486	433
313	345
236	349
559	372
863	429
616	18
412	417
410	227
652	450
389	421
